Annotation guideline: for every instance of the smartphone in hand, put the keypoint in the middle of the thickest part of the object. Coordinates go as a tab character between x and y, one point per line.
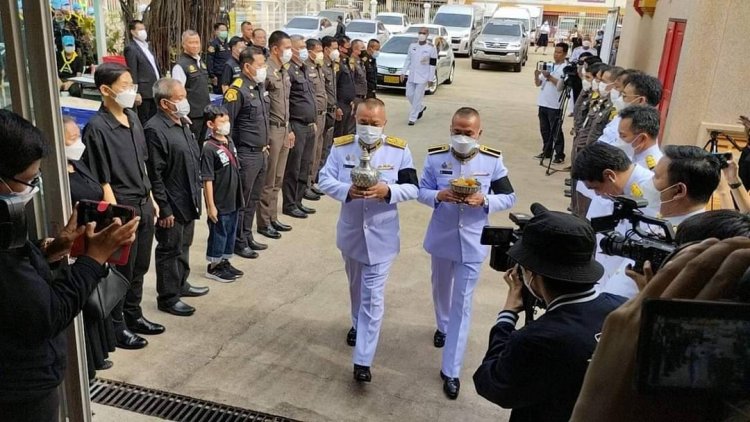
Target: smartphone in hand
103	214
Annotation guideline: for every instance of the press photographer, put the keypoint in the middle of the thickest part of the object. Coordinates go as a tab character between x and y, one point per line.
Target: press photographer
550	114
538	370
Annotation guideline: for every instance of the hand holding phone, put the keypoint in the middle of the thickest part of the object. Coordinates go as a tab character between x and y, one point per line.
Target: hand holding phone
104	215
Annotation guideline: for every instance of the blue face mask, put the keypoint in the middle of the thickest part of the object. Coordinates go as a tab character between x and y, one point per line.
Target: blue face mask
303	55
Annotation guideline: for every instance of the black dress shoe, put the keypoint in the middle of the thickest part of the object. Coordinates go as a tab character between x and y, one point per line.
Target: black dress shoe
542	156
257	246
559	159
351	337
295	212
310	195
279	226
193	291
411	123
144	326
317	191
419	116
105	365
246	252
362	373
451	386
180	308
269	232
306	210
127	339
438	339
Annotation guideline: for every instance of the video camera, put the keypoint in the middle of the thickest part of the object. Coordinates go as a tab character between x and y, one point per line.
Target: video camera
647	246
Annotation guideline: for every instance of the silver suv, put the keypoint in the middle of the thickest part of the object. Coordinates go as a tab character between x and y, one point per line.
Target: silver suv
501	41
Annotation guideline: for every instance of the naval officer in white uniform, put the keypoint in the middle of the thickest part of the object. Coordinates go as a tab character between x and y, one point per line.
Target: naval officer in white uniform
367	232
454	231
421	59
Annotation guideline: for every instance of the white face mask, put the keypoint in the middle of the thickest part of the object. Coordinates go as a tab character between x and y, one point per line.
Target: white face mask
619	103
304	55
142	35
595	85
224	129
375	54
527	283
628	148
463	144
422	37
70	48
75	151
260	75
614	94
369	134
182	108
319	58
26	194
335	55
586	45
586	85
603	89
286	56
653	195
126	99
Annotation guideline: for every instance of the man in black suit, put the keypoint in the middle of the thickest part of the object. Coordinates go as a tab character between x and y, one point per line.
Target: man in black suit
143	68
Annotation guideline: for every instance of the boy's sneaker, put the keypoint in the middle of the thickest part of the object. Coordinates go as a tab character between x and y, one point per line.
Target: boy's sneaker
234	271
220	274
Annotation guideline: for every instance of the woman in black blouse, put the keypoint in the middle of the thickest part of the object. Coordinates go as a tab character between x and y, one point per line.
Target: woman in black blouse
100	334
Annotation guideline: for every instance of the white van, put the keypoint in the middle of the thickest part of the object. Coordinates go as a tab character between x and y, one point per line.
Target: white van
536	13
464	22
520	14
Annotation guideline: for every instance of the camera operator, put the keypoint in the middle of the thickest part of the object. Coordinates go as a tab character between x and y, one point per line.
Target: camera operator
550	113
638	129
637	88
35	306
731	190
537	370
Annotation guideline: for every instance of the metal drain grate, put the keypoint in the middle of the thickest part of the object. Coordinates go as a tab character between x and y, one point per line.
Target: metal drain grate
169	406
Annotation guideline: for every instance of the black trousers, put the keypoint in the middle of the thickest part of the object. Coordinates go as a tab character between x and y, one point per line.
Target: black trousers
253	177
137	266
172	257
549	119
348	124
146	110
298	165
42	409
198	130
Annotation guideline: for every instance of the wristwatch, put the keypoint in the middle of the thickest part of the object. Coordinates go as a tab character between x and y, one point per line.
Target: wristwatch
486	203
735	185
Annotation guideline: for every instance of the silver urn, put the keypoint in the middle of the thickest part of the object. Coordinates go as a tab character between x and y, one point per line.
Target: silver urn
364	176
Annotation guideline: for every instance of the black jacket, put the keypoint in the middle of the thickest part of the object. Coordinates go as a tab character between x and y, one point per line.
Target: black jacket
35	309
538	370
141	70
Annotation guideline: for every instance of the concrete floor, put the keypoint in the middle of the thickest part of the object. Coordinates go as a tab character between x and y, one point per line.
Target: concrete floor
275	340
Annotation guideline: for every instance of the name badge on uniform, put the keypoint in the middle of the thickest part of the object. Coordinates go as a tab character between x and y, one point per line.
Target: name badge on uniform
446	172
192	69
348	166
385	167
480	174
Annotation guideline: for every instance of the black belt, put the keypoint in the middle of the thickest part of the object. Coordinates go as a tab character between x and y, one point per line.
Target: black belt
277	124
250	148
303	123
133	201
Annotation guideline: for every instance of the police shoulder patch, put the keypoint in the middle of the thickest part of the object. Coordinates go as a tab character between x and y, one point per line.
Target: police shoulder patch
650	162
230	95
436	149
490	151
237	82
395	142
343	140
635	191
285	66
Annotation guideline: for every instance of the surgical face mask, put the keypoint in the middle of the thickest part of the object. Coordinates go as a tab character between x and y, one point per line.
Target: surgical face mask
224	129
527	282
463	144
653	195
595	85
619	103
603	89
422	37
182	108
319	57
586	85
223	34
304	55
335	55
369	134
142	35
260	75
70	48
586	44
628	148
286	56
375	54
614	94
125	99
75	151
26	194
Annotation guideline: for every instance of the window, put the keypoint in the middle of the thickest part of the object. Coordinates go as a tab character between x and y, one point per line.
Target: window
303	23
390	20
365	27
397	45
502	28
453	20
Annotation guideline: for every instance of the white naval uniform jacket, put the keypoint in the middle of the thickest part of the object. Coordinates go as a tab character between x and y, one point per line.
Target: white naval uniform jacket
368	229
421	60
455	229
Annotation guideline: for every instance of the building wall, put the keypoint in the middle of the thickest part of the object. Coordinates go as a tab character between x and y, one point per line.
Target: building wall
712	84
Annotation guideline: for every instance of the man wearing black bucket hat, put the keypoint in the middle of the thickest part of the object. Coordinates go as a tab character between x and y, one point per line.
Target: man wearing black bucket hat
538	370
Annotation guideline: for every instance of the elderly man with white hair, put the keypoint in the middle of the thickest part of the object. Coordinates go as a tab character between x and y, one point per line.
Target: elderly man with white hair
192	72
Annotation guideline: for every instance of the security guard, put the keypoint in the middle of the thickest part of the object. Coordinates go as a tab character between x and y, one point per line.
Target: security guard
281	140
192	72
421	59
345	90
367	232
218	54
334	113
452	237
371	66
315	63
356	62
232	69
248	105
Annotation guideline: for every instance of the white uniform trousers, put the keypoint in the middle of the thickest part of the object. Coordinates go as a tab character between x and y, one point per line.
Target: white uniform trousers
415	94
452	293
367	291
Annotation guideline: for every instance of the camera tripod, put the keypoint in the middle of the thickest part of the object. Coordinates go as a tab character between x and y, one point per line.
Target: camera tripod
557	129
712	145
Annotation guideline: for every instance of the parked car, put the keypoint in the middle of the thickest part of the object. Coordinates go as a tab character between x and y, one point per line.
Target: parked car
309	27
501	41
393	57
348	14
395	23
435	30
463	22
366	30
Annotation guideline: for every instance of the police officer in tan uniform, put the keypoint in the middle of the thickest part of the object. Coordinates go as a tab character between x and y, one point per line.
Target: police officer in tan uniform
315	63
334	113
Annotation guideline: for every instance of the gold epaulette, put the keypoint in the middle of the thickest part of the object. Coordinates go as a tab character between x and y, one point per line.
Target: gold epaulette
343	140
395	142
436	149
613	114
490	151
237	82
650	162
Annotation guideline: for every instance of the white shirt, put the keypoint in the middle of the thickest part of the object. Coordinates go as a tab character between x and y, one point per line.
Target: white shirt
611	133
144	47
549	96
418	63
544	29
179	74
649	157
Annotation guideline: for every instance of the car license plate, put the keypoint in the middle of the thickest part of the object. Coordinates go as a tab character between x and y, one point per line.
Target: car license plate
391	79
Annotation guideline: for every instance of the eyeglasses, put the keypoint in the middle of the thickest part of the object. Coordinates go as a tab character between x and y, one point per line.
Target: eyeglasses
33	183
